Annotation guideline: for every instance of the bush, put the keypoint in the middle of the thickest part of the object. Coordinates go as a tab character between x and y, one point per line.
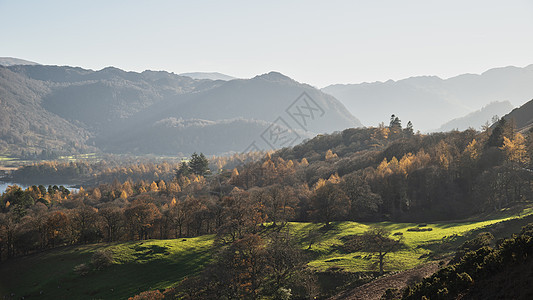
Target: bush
102	259
82	269
420	229
148	295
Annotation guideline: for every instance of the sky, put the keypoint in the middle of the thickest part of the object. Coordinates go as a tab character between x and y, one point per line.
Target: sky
315	42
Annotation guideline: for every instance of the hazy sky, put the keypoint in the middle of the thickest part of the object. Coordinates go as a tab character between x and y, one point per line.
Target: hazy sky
317	42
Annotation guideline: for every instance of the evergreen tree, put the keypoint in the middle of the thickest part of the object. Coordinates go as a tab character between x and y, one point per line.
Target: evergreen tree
409	128
184	170
395	122
199	164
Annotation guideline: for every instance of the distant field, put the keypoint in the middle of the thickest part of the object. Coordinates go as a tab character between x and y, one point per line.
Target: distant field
80	156
4	158
160	264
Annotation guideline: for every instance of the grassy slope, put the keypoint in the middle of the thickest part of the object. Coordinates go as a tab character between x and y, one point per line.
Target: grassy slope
420	246
139	266
159	264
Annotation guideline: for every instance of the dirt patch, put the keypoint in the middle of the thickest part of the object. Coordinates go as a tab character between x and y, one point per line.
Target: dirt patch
376	288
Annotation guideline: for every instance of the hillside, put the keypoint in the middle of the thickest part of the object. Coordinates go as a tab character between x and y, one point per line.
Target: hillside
112	108
429	101
499	272
26	125
11	61
210	76
478	118
522	116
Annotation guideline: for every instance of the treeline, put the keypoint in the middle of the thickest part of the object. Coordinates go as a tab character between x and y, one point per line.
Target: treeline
107	170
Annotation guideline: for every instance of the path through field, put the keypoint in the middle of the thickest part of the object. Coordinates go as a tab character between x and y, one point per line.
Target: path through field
375	289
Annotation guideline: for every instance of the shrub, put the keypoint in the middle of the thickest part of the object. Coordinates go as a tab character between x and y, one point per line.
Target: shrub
82	269
102	259
418	229
148	295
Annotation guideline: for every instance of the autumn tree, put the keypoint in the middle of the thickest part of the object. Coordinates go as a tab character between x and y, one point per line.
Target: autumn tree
112	218
378	242
329	203
140	217
279	204
240	216
515	149
238	271
85	221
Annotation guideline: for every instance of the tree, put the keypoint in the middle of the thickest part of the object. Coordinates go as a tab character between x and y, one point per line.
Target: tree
113	220
364	204
140	217
329	203
498	133
237	272
515	149
378	242
395	123
183	170
199	164
409	129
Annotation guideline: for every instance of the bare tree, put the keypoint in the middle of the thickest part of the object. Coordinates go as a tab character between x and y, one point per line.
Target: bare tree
378	242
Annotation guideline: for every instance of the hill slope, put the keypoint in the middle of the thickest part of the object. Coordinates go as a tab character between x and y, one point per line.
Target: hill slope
26	125
10	61
478	118
522	116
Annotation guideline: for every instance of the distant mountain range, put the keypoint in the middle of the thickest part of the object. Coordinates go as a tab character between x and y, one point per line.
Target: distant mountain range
210	76
429	101
69	109
477	119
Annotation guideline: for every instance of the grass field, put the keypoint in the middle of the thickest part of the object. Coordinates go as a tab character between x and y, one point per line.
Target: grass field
420	247
6	159
137	267
159	264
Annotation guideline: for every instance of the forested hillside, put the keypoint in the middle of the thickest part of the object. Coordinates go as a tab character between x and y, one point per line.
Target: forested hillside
522	116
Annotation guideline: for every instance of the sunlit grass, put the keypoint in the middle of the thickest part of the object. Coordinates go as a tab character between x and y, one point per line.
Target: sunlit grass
138	266
418	245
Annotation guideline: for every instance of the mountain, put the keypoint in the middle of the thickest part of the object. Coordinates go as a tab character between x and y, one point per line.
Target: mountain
26	125
522	116
478	118
11	61
296	110
68	109
210	76
429	101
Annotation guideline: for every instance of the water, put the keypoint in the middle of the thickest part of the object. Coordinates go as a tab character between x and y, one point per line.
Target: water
5	184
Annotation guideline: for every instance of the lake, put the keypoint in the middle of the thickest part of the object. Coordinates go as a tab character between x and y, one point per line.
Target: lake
5	184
